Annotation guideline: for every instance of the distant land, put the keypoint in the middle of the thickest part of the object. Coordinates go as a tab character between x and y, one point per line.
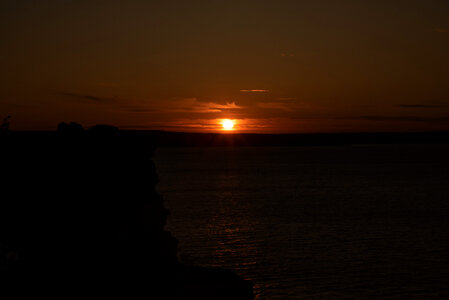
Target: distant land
183	139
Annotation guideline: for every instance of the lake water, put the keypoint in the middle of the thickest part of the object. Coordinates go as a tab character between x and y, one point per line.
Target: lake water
355	222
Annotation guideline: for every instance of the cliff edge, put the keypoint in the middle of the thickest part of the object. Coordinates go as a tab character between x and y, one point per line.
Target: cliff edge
79	215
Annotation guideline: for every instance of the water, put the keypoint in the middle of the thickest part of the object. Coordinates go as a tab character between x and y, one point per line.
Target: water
356	222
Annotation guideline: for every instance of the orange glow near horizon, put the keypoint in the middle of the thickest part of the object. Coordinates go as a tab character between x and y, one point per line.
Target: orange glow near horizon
227	124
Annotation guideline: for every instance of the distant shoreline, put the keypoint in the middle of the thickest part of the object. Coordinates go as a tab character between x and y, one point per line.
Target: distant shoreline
184	139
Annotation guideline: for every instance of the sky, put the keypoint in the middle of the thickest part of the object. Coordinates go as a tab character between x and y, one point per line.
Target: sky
273	66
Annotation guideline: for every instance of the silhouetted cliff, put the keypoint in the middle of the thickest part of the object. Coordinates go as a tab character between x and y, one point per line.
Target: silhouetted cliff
79	214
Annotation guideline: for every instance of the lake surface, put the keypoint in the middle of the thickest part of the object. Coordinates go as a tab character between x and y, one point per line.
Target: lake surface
353	222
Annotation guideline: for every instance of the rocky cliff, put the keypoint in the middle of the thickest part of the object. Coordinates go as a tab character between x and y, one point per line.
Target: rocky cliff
79	215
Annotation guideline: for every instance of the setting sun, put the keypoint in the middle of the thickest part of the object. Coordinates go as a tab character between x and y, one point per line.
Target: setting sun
228	124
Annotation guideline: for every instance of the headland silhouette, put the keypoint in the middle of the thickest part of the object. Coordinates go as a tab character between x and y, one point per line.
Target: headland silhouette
80	216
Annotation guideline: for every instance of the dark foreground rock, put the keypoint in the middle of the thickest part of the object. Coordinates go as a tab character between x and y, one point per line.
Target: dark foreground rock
80	216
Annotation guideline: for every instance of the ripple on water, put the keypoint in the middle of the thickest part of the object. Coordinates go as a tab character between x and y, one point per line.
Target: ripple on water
315	223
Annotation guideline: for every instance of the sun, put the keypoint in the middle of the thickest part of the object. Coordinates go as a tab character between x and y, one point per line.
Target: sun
227	124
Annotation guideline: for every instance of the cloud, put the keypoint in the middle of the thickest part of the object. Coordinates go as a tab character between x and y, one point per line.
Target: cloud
227	106
177	105
86	97
198	125
284	105
186	105
193	105
286	99
142	109
254	91
275	105
441	30
398	118
421	105
201	124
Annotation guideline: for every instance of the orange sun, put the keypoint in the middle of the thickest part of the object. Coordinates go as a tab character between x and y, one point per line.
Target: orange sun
227	124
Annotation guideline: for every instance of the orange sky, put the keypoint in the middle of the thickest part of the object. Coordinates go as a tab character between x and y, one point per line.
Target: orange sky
272	66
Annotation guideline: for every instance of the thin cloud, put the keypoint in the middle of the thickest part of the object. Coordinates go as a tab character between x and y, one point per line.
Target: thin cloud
275	105
193	105
254	91
398	118
441	30
421	106
285	99
227	106
188	105
142	110
179	125
88	97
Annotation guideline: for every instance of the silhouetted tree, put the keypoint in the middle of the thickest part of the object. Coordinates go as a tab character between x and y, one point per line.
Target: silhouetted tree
5	124
72	128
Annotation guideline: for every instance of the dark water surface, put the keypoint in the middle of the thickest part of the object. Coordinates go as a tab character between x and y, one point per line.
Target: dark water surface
356	222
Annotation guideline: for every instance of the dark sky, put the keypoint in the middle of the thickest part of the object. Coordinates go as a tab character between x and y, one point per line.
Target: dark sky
273	66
